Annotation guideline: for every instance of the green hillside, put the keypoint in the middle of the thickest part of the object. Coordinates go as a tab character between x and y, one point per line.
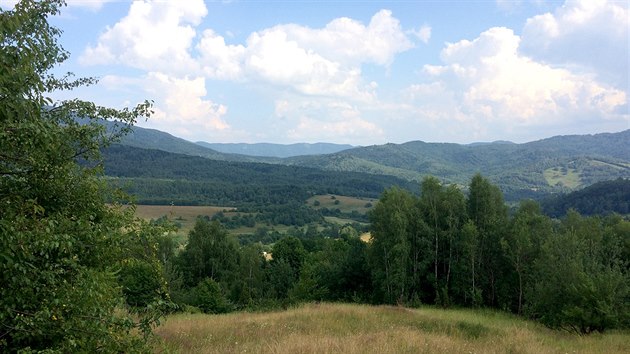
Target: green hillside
529	170
600	198
159	177
276	150
533	169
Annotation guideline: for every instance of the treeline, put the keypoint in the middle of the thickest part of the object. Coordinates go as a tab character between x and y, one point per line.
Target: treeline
158	177
600	198
441	248
290	214
447	249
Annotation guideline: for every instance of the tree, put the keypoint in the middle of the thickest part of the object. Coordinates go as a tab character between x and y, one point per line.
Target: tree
521	244
489	213
390	249
209	253
291	250
60	244
577	286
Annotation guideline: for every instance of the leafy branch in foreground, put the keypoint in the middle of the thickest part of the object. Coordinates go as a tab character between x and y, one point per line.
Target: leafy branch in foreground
61	246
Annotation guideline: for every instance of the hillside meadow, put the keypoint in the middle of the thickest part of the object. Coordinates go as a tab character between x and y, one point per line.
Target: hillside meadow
184	216
353	328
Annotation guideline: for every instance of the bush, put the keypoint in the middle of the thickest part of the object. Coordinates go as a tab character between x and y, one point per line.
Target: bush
141	283
207	296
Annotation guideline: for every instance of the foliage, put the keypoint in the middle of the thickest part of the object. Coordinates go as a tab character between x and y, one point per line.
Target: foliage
159	177
580	285
600	198
60	244
209	253
141	282
208	297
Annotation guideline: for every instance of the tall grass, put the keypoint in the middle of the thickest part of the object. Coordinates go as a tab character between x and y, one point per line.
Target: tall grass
349	328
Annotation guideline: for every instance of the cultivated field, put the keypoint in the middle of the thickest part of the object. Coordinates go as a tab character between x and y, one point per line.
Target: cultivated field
345	328
184	216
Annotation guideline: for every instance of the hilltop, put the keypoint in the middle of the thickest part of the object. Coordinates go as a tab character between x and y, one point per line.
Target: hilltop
347	328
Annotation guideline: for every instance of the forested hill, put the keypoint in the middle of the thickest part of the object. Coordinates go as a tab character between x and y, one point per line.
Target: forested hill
529	170
560	163
159	140
158	177
601	198
277	150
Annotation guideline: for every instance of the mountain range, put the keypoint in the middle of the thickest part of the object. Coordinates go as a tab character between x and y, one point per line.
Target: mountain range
534	169
276	150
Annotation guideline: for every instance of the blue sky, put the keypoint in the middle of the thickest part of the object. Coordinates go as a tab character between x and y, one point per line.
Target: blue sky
358	72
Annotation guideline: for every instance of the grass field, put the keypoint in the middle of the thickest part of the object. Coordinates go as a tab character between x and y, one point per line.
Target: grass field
185	216
346	328
568	178
345	204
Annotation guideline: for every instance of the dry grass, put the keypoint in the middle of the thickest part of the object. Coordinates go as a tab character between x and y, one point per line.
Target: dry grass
184	215
366	237
346	328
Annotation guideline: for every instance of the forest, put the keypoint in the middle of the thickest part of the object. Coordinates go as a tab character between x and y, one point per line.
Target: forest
159	177
442	248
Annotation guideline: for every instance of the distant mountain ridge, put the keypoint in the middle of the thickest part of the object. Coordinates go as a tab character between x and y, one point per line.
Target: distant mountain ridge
555	164
156	139
276	150
530	170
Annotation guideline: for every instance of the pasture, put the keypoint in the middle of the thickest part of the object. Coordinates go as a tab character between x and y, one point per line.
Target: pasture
182	215
352	328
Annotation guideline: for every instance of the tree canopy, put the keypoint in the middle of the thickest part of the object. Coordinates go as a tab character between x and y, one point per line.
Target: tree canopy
61	246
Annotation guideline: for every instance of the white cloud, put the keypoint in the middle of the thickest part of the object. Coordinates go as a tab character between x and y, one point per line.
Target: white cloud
220	61
486	85
589	34
322	62
423	33
93	5
7	4
181	107
348	41
324	120
155	35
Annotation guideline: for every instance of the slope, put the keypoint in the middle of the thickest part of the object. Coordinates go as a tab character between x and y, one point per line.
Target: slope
159	177
521	170
276	150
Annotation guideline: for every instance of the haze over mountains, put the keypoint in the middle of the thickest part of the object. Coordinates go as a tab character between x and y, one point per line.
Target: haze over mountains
276	150
534	169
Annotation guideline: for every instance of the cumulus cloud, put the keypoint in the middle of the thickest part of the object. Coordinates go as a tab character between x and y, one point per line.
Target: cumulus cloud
423	33
155	35
592	34
325	61
487	84
325	120
348	41
180	105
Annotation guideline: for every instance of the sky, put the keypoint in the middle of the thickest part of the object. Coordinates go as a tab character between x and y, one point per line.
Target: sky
356	72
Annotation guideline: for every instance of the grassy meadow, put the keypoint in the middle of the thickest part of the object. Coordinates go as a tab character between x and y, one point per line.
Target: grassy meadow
351	328
343	203
184	216
569	178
